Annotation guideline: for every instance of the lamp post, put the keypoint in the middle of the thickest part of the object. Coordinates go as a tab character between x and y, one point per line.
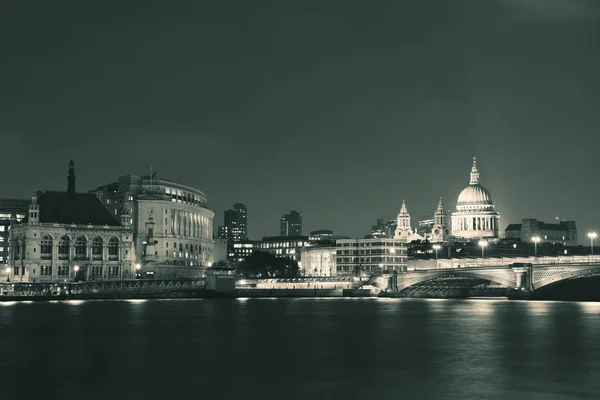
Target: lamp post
76	270
436	247
138	267
592	236
7	274
535	240
483	244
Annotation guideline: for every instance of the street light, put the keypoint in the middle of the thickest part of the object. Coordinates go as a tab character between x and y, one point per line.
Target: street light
138	267
436	247
536	240
592	236
7	274
483	244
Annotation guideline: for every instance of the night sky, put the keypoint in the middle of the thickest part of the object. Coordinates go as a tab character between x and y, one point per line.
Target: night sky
336	109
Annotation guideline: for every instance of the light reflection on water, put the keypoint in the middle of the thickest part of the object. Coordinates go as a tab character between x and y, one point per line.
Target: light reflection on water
303	348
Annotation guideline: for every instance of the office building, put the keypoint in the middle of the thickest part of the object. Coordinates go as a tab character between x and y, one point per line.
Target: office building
291	224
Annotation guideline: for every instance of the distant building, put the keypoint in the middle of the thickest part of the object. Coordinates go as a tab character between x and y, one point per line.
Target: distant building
171	223
355	256
284	246
9	208
220	250
239	251
318	261
425	226
291	224
383	229
235	226
323	234
69	236
564	232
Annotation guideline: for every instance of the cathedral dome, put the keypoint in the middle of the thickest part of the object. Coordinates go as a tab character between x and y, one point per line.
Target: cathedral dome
474	195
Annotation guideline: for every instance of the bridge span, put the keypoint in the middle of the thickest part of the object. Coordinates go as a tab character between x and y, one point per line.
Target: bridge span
525	278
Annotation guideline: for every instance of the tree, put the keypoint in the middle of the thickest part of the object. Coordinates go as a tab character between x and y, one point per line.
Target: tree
261	264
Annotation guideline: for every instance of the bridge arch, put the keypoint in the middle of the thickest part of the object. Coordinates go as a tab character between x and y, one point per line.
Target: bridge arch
503	276
548	276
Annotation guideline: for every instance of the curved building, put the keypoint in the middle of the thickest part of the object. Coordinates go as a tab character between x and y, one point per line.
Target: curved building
475	216
171	223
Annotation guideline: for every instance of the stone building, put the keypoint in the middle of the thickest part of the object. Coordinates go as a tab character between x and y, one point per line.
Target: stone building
475	216
171	224
69	236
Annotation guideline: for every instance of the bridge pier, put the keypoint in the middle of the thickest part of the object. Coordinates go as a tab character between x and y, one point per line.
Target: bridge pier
524	274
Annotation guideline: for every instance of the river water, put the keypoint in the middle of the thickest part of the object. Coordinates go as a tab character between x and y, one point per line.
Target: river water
300	349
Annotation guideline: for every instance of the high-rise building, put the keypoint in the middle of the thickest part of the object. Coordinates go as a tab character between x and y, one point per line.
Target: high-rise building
291	224
235	223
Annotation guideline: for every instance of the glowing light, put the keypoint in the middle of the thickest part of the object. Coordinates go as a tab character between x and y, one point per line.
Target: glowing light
138	267
76	268
592	235
536	239
483	243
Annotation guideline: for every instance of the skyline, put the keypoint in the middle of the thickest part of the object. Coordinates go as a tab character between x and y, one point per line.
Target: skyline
283	108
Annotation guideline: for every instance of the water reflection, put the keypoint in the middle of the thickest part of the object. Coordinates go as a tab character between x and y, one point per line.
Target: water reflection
299	348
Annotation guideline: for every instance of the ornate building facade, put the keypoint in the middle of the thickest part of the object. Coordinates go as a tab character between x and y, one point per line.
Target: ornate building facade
475	216
69	236
171	224
403	228
440	231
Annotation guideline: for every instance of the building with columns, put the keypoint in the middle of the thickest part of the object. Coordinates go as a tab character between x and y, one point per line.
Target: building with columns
475	216
69	236
171	224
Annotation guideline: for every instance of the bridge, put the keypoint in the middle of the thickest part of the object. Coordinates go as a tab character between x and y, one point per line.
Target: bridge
524	278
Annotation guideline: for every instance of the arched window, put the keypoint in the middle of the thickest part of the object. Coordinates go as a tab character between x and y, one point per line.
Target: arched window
97	248
113	249
46	247
81	248
63	247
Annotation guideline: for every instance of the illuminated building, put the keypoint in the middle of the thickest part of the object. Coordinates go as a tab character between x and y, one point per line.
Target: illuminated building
424	226
291	224
565	232
319	261
355	256
475	216
9	208
235	223
403	228
284	246
172	225
69	236
238	251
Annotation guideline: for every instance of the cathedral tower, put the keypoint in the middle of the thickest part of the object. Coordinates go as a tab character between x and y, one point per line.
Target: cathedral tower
403	229
71	178
440	231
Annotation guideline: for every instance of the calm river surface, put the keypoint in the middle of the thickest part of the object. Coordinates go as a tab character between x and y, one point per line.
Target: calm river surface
300	349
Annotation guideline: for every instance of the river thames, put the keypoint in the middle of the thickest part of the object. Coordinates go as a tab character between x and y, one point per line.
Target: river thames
300	349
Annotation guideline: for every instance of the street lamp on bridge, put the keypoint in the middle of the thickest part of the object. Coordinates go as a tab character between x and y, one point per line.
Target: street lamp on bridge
592	236
535	240
7	274
436	247
483	244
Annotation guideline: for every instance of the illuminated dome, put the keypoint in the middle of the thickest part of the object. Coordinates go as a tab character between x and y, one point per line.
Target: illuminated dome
474	195
475	217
